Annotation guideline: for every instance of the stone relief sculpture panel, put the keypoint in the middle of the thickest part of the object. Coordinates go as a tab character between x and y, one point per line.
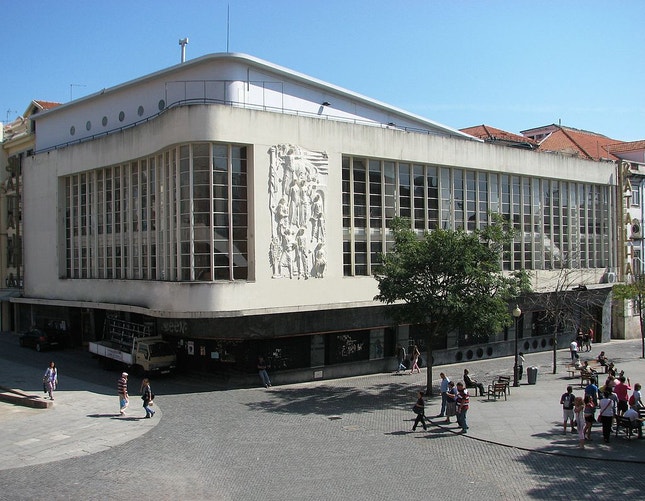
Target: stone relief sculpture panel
297	197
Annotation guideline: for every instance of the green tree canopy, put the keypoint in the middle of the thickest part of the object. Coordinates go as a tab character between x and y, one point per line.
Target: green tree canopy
450	279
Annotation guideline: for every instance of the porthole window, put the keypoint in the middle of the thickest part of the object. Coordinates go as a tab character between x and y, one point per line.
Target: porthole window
104	121
72	130
162	104
88	125
140	111
121	116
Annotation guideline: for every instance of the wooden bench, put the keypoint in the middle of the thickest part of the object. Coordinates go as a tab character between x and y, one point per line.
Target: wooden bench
586	378
595	366
505	380
571	369
625	424
496	390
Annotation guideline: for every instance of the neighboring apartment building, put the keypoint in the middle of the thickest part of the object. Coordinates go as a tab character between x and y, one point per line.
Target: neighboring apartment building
18	140
631	157
239	208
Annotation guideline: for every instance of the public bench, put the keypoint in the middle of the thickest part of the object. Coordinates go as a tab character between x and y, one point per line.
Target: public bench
496	390
505	380
572	370
626	426
586	378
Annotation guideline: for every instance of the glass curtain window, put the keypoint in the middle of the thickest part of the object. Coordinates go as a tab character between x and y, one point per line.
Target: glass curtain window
558	223
178	215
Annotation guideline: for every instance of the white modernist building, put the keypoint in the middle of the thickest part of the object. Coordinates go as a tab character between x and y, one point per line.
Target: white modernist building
239	208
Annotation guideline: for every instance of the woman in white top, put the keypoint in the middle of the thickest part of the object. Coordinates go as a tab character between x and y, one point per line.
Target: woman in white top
607	408
50	379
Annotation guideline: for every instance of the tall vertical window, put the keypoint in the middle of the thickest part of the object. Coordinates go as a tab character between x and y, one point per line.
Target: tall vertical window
556	222
181	215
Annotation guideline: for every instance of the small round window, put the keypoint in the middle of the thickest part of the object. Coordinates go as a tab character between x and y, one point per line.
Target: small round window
72	130
121	116
88	125
104	121
140	110
162	104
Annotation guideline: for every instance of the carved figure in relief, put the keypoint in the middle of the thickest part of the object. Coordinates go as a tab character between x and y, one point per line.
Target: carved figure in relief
275	256
320	260
317	219
302	254
288	249
295	200
296	186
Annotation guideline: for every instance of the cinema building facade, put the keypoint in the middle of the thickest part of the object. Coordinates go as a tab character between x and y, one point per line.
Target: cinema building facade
239	208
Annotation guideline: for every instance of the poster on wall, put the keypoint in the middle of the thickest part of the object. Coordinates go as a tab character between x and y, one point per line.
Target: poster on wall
190	346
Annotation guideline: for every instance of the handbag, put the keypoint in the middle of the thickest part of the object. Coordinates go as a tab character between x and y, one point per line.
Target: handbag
417	409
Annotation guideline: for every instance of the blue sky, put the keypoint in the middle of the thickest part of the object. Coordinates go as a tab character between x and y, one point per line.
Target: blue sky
511	64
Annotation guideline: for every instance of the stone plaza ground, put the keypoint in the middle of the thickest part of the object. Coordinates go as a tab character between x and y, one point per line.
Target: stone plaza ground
311	441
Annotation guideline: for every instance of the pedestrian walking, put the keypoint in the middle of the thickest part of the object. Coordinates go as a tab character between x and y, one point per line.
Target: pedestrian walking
566	400
122	390
520	365
463	402
262	372
451	403
590	415
579	412
589	339
419	410
147	396
592	391
607	413
443	386
580	339
635	399
50	380
621	389
415	360
573	348
400	358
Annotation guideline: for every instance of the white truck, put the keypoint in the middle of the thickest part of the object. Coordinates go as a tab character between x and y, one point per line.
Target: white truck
133	345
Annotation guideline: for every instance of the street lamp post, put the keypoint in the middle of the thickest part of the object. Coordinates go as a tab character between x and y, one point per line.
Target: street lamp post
516	314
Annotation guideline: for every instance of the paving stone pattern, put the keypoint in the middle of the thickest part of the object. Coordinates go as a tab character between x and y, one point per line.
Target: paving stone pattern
311	441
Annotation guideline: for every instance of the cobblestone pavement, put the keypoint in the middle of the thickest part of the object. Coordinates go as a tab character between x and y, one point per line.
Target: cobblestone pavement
311	441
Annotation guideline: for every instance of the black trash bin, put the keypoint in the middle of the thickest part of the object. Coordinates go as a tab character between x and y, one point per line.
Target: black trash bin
531	374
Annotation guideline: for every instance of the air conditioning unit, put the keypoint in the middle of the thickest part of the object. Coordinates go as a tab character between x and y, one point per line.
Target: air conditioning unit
637	229
611	277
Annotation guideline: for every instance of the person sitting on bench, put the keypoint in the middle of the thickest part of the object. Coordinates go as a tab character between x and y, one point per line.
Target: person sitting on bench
473	383
602	359
636	420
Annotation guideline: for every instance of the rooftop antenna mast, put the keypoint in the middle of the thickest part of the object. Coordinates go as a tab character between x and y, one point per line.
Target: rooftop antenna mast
228	25
183	42
9	112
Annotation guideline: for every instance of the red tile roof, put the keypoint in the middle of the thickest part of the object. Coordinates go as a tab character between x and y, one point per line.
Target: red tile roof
46	105
625	147
491	134
580	143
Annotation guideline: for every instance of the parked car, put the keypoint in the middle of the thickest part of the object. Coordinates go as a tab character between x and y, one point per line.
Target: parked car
41	340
